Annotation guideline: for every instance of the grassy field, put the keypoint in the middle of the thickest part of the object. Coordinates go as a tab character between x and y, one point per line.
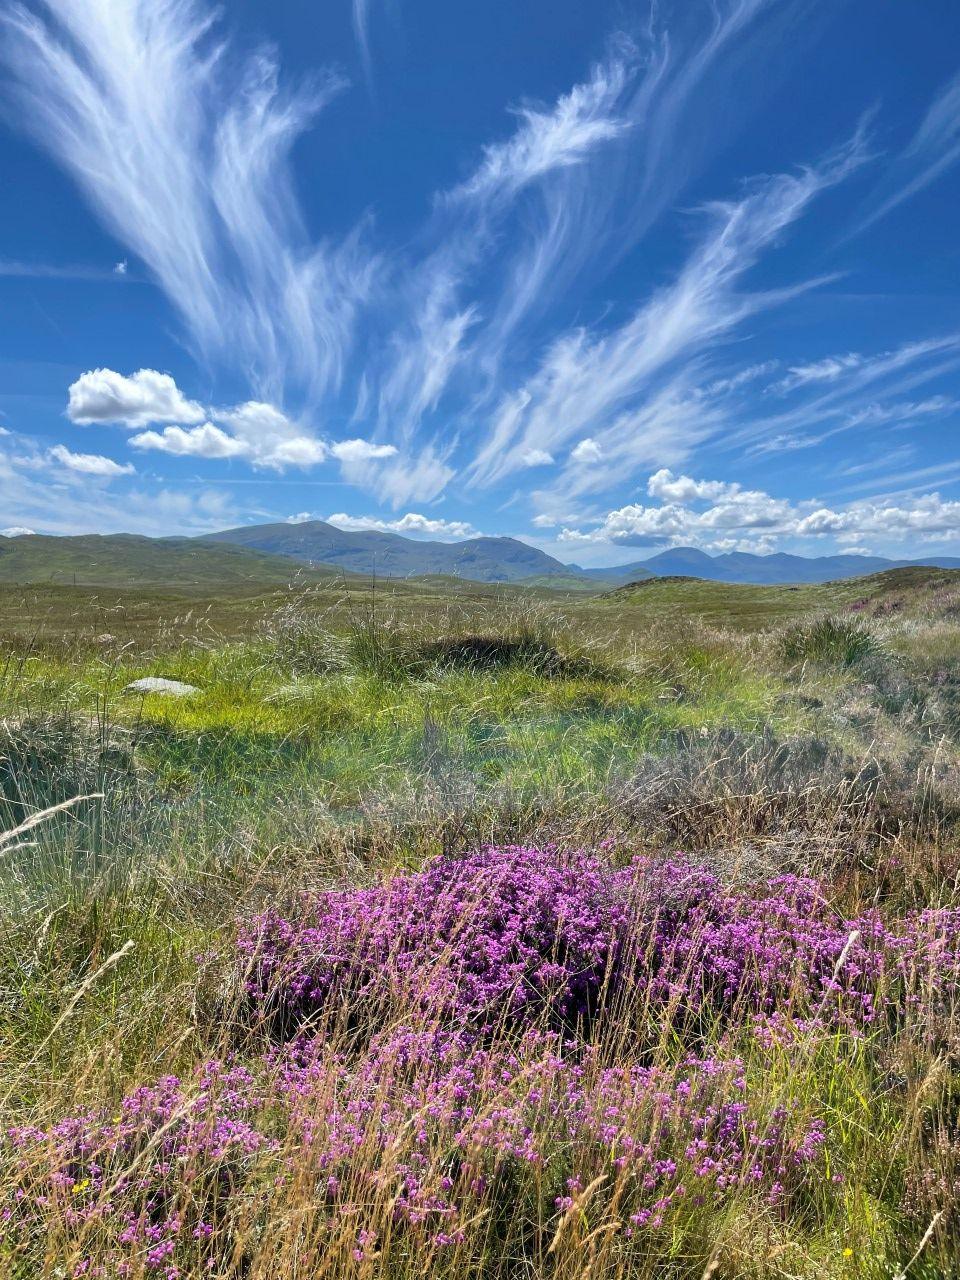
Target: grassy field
127	559
481	932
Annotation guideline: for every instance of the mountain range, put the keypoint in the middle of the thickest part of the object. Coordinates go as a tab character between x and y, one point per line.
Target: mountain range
744	567
263	553
316	542
369	551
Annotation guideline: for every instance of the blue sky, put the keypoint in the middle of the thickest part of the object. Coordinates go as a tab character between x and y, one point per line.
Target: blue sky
606	277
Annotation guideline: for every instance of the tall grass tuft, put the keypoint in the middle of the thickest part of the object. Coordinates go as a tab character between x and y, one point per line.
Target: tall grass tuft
831	640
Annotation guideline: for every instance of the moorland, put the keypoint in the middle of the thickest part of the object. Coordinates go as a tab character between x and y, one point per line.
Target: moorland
462	930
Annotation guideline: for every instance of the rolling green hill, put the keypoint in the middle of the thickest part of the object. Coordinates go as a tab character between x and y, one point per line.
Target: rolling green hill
124	559
908	592
273	554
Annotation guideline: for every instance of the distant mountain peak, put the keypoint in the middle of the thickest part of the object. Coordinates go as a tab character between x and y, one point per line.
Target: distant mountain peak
483	559
749	567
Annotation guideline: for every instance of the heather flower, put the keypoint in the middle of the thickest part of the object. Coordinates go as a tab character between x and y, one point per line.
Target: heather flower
501	1010
511	935
481	1123
519	936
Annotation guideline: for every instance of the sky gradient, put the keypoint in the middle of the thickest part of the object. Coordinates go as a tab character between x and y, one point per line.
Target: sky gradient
606	277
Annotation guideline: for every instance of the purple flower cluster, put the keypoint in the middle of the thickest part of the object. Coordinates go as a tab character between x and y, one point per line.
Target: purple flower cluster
127	1175
466	1044
423	1135
503	935
510	936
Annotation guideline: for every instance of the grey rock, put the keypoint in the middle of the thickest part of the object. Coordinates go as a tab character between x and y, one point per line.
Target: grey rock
156	684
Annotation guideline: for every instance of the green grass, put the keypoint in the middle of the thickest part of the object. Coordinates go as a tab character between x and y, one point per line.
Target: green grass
344	729
534	718
128	560
741	607
831	640
358	692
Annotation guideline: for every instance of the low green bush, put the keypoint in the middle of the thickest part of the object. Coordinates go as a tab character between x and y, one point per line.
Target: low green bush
830	640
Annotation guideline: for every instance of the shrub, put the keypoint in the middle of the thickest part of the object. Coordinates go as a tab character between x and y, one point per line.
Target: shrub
521	936
430	1148
503	935
829	640
299	638
45	760
482	1114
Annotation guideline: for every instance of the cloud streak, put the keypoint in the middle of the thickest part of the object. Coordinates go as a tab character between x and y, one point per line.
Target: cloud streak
593	384
88	464
187	164
933	149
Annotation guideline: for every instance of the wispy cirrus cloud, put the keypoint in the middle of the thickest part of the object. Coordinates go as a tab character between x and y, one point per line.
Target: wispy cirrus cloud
661	87
591	173
361	30
429	343
933	149
553	139
187	164
84	274
592	385
412	477
827	370
835	394
363	13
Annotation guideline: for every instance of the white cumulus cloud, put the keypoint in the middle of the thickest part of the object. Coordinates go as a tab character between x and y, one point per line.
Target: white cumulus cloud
586	451
143	398
206	441
361	450
411	524
725	516
664	484
90	464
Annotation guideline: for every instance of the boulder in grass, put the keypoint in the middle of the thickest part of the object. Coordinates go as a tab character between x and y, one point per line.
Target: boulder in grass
156	684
